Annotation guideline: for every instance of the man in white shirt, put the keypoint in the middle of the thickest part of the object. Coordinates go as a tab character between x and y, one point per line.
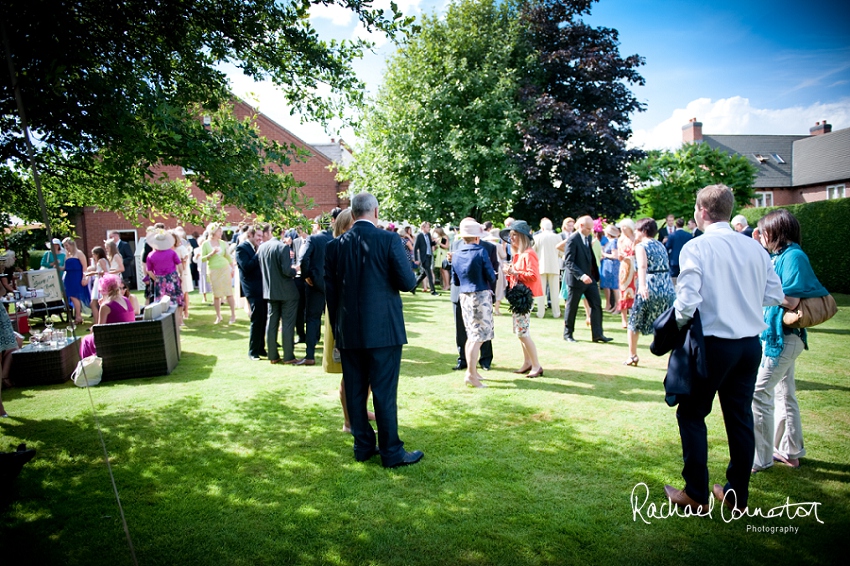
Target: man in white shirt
545	243
729	280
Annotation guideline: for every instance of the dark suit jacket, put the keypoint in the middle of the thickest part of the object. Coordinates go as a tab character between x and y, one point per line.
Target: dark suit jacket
662	233
674	244
578	261
365	269
126	253
250	276
493	254
277	271
313	259
420	247
687	353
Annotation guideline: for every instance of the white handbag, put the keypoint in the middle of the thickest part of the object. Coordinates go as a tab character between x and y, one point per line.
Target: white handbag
93	367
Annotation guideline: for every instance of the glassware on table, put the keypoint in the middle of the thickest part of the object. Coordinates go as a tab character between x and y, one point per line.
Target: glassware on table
60	337
48	323
35	338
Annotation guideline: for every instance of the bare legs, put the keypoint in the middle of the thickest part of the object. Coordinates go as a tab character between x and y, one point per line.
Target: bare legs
217	306
78	313
95	309
529	354
633	342
472	350
232	302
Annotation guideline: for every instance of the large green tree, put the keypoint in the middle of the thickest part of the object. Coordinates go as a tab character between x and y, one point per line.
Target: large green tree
437	139
667	182
111	89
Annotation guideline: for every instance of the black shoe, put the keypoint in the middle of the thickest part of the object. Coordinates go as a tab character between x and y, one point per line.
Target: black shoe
459	367
570	339
408	459
485	368
367	456
264	354
602	339
435	293
253	358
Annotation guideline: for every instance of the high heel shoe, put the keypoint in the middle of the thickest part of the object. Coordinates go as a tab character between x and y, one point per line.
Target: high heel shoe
523	370
632	361
538	373
470	383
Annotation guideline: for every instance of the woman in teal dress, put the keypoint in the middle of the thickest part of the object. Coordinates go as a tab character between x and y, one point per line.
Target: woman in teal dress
655	292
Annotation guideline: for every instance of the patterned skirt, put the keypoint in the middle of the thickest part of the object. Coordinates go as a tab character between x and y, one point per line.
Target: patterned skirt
522	325
221	282
168	285
477	309
8	341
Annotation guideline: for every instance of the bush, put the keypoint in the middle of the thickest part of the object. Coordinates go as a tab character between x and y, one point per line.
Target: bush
35	258
824	233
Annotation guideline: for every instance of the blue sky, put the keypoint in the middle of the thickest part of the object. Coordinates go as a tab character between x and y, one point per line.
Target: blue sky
738	67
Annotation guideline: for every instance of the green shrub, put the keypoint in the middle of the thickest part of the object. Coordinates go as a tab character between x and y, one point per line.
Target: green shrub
35	258
824	233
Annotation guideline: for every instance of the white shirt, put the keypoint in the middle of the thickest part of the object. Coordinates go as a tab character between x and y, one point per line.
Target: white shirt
729	279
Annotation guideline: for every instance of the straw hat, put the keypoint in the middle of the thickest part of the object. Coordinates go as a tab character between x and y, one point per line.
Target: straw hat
612	231
161	240
493	236
470	228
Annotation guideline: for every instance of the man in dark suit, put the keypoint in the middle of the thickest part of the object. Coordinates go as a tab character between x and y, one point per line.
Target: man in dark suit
251	280
580	268
365	269
423	255
675	242
313	274
193	241
280	291
486	359
665	231
129	275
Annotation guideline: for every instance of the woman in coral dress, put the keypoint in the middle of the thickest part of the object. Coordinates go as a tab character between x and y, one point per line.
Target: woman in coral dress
626	252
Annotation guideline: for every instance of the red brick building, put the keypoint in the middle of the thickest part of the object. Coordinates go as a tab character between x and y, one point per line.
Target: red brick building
791	169
320	184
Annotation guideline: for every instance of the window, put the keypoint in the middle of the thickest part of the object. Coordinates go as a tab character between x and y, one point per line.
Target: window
763	198
835	191
776	157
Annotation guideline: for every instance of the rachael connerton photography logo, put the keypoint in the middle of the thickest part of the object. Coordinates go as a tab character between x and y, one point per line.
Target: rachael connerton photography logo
644	509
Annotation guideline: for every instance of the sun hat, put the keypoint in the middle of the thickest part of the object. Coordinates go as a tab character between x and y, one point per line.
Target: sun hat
56	242
493	236
611	230
519	226
161	240
470	228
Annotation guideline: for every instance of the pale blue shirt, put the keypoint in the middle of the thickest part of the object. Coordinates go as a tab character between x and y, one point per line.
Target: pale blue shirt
729	279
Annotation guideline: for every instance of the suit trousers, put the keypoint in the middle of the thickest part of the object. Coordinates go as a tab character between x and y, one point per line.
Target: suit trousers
732	368
300	316
591	293
315	301
553	282
257	333
486	356
282	315
377	368
427	271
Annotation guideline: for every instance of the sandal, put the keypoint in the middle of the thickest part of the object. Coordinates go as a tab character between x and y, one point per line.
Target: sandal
632	361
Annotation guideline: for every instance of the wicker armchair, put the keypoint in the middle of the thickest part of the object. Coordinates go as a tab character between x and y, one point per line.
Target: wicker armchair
144	348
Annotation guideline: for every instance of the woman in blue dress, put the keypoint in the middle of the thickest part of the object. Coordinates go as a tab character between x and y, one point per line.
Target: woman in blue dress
609	272
655	292
76	282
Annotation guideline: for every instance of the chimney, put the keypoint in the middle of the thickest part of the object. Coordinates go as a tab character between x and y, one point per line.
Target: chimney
692	132
820	128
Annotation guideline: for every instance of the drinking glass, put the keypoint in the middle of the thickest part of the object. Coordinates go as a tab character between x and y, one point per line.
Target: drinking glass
35	338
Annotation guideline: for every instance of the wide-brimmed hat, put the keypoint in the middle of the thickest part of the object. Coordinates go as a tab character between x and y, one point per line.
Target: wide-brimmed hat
56	242
493	236
611	230
519	226
470	228
161	240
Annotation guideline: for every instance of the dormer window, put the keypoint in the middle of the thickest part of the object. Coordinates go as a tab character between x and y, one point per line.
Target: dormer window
778	158
759	157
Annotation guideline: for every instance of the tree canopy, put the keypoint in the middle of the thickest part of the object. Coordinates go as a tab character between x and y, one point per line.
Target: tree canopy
111	89
502	107
667	181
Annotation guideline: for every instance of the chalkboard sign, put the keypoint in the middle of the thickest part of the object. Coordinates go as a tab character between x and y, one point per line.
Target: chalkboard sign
46	279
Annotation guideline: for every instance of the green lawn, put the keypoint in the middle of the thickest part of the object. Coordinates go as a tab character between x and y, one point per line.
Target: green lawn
228	461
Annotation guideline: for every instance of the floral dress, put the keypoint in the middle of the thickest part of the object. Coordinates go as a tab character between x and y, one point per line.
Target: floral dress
609	274
660	287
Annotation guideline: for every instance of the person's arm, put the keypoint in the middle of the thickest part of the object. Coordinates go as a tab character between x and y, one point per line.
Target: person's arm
103	313
561	246
642	261
688	286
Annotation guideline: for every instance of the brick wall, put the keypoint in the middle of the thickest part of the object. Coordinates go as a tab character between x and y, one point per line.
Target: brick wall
320	185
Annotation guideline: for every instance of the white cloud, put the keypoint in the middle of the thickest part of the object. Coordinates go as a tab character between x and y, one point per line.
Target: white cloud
736	115
338	15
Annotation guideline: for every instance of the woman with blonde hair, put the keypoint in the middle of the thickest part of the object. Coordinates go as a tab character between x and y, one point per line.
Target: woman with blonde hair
114	307
524	269
76	283
219	262
626	255
116	262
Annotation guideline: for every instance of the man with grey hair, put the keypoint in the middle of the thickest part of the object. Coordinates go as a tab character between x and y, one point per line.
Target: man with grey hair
582	279
740	224
365	269
545	245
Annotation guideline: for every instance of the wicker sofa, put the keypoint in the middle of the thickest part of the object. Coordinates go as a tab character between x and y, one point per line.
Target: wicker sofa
143	348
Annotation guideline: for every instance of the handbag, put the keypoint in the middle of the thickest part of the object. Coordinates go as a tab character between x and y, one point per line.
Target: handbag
810	312
520	299
93	368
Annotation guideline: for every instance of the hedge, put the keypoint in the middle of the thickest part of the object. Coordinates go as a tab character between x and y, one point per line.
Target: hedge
35	258
825	232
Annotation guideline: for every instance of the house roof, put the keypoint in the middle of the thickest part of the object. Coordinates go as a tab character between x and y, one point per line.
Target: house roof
336	151
822	159
762	151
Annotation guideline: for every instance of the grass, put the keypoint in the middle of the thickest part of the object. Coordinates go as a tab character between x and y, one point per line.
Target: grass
227	461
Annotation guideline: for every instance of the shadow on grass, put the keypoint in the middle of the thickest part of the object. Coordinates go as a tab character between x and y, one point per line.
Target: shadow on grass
271	482
819	330
803	385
